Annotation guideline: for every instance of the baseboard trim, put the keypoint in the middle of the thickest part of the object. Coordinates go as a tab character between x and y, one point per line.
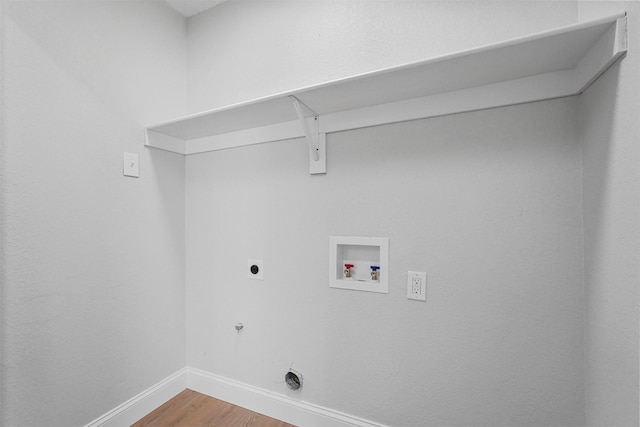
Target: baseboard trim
272	404
299	413
140	405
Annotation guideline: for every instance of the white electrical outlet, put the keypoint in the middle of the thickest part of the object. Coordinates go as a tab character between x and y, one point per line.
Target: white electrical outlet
417	286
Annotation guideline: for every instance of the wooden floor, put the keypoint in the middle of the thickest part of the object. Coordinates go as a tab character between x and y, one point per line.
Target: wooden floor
193	409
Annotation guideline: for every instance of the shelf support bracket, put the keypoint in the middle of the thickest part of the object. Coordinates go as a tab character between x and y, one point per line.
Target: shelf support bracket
315	139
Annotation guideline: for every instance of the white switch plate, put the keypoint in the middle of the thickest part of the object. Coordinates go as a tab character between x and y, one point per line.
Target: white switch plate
130	165
254	269
417	286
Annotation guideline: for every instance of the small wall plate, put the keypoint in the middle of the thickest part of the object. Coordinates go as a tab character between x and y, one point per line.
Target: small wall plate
254	269
131	165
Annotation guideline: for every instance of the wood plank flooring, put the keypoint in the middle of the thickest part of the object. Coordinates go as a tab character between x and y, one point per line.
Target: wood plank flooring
193	409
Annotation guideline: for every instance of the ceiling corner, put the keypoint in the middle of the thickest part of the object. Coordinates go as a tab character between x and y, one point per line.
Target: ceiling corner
189	8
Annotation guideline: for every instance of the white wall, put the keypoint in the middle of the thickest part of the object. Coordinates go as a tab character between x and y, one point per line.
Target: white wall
244	49
92	262
487	203
610	132
490	204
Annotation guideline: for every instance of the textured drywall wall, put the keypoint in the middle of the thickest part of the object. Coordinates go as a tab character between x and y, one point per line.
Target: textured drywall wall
610	133
92	262
245	49
488	204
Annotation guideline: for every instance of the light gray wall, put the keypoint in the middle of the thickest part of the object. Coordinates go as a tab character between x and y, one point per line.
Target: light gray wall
610	133
245	49
488	204
92	262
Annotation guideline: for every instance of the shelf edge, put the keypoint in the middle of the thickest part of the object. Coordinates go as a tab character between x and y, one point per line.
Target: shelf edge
554	84
164	142
611	47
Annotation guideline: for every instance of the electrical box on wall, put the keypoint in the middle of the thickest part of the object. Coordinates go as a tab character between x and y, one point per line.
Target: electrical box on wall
359	263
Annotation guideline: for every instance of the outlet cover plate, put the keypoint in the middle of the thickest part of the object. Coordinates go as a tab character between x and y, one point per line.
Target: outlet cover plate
417	286
255	269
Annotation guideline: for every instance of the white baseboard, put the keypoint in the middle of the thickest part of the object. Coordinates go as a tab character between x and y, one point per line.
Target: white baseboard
137	407
302	414
299	413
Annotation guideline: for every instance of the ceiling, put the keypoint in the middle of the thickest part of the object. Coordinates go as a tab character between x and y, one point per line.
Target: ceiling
191	7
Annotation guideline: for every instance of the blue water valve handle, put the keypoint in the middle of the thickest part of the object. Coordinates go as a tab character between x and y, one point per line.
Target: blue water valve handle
374	272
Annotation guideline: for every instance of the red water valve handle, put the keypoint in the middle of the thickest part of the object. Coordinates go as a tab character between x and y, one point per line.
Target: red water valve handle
349	266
